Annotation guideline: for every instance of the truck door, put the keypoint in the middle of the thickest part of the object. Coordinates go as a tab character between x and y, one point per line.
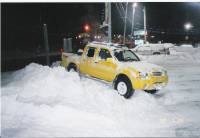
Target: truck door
105	68
87	61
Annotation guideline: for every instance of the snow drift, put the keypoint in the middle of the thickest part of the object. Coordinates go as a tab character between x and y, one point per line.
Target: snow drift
39	101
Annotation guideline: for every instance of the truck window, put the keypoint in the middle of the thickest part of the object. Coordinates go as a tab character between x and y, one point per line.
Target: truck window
90	52
104	54
126	55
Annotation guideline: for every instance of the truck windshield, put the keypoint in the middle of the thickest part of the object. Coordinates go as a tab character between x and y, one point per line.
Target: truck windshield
126	55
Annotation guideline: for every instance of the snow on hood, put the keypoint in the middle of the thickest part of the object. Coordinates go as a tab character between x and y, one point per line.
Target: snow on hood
142	66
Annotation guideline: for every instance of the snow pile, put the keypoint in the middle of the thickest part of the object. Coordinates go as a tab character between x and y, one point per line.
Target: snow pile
168	45
39	101
56	64
186	45
155	46
179	56
42	101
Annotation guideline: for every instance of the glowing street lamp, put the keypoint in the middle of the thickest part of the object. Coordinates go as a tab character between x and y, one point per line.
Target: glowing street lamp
134	5
188	26
87	28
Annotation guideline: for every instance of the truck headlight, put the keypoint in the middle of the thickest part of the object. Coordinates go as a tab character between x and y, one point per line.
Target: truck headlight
143	75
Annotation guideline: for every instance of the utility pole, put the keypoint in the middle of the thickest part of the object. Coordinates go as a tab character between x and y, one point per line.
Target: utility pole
125	24
132	25
46	44
109	23
145	28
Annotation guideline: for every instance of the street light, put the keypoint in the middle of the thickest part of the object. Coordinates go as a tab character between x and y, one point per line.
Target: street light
188	26
134	5
132	25
87	28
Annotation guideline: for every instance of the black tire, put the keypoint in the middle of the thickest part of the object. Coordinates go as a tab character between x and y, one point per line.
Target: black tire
126	80
151	91
168	53
72	66
156	53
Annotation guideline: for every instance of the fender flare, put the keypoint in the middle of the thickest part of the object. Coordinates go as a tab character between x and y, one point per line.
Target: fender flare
121	75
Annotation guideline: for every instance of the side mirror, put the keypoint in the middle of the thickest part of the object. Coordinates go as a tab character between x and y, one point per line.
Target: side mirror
109	60
80	52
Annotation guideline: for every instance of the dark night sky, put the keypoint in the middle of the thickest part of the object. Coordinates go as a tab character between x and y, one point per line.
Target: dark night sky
22	22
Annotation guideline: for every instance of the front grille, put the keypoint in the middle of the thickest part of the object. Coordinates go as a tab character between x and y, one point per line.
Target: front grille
157	73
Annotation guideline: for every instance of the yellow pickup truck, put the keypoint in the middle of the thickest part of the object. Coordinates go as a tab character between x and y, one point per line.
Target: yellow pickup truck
119	65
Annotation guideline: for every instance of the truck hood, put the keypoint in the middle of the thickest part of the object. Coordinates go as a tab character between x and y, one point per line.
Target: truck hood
142	66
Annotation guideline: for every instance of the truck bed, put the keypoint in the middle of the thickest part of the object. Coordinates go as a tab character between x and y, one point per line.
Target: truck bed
70	58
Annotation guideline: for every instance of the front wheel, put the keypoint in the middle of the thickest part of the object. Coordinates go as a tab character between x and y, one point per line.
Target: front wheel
124	87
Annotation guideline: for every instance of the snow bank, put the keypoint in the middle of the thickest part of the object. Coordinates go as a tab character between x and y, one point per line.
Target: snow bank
168	45
186	45
40	101
178	56
56	64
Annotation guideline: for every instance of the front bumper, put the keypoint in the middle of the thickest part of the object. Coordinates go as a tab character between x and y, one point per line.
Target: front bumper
151	83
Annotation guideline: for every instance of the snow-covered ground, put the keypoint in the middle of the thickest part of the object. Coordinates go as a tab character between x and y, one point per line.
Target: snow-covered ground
39	101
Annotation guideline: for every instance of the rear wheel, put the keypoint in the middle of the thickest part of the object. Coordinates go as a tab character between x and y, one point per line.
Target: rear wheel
151	91
72	67
124	87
